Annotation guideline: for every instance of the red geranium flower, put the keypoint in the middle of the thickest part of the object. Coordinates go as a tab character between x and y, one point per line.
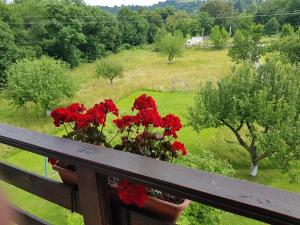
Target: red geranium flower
132	193
148	117
172	124
61	116
178	146
76	108
52	161
125	121
108	106
144	102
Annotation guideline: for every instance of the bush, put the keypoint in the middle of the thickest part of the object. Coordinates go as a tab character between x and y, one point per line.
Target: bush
289	47
125	47
286	30
109	69
219	36
272	26
42	81
198	213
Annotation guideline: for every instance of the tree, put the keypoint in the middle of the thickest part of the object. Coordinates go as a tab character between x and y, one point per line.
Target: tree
179	22
13	37
292	6
272	26
286	30
289	47
133	27
219	9
201	22
42	81
155	23
246	45
171	45
260	107
219	36
109	69
8	50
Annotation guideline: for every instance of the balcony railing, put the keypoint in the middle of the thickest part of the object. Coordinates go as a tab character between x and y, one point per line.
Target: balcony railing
95	164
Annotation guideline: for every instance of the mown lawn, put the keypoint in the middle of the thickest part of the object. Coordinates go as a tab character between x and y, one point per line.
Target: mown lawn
144	70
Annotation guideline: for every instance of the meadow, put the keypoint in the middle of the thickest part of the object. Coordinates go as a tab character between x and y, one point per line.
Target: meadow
145	72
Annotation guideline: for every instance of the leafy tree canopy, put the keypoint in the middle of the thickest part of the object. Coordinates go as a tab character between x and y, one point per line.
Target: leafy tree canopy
289	47
219	36
261	107
247	45
272	26
133	27
41	81
109	69
171	45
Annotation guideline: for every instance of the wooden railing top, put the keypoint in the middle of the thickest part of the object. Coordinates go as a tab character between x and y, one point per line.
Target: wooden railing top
233	195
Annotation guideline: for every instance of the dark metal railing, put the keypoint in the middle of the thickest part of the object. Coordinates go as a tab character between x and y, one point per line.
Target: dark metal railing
95	164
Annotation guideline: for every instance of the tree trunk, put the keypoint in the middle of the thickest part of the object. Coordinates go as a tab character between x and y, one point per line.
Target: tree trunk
111	83
170	58
253	169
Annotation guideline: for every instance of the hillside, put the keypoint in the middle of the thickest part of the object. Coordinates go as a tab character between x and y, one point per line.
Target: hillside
187	5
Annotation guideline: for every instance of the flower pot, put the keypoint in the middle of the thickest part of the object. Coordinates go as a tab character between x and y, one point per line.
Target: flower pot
68	177
163	210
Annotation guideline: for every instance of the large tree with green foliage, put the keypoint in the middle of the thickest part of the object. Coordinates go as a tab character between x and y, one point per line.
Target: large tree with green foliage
260	107
155	23
219	36
171	45
201	24
220	10
133	27
289	47
41	81
247	45
179	22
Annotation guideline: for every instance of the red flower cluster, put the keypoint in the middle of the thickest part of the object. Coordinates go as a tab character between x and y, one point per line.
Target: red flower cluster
52	161
144	102
178	146
172	124
76	108
148	117
125	121
132	193
76	113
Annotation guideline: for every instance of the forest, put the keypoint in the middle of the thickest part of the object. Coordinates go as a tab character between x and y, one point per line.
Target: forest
74	32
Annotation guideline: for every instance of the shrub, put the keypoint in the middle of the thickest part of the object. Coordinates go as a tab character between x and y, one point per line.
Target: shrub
272	26
42	81
125	47
109	69
286	30
197	213
219	36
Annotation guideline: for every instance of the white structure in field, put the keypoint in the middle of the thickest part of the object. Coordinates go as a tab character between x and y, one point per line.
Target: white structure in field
195	41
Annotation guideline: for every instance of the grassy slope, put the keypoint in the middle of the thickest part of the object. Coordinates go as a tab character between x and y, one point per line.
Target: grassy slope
143	70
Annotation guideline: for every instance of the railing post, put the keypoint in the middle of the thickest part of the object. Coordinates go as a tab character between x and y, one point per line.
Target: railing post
94	197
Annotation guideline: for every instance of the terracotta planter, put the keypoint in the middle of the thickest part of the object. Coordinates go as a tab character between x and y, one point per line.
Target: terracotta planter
161	209
68	177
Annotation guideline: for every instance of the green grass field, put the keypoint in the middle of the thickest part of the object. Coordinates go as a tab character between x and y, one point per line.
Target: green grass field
144	71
